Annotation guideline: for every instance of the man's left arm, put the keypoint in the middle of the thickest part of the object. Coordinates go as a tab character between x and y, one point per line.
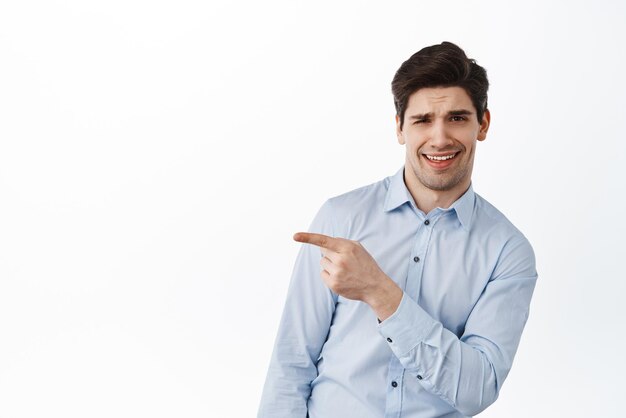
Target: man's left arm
466	372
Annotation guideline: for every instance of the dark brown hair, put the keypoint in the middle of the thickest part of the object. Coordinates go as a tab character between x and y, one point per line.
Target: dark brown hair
443	65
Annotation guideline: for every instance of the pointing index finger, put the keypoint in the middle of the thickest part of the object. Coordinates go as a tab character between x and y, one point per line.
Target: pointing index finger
320	240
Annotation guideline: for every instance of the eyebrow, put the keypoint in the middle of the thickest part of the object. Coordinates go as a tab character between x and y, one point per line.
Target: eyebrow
456	112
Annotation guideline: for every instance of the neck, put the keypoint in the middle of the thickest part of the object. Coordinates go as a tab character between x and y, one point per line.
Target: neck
428	199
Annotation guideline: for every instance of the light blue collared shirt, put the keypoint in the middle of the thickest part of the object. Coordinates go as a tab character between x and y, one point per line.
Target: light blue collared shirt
467	275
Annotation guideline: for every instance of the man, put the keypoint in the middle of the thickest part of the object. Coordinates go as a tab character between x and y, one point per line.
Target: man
411	294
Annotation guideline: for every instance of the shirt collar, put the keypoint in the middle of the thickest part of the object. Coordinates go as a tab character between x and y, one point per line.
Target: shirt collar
398	194
464	207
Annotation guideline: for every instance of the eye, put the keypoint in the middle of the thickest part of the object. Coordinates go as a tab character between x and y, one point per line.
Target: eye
458	118
418	121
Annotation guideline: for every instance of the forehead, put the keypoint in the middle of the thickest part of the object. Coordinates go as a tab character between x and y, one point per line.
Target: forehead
432	99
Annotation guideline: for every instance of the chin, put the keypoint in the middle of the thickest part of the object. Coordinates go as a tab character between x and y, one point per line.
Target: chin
442	183
441	186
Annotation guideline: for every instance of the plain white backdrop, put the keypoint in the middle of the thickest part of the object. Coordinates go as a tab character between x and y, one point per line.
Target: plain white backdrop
157	156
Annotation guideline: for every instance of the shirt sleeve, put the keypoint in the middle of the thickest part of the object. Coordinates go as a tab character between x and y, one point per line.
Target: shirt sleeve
468	372
302	332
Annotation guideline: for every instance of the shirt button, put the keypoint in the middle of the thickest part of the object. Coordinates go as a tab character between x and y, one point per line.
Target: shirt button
416	259
394	384
389	340
419	377
426	222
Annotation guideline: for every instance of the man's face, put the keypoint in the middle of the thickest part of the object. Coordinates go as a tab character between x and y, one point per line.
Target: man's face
440	131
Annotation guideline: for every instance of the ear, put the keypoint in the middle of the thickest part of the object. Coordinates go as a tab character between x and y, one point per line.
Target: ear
399	131
484	126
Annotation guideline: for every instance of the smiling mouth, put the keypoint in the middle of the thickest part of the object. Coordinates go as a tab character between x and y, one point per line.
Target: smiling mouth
441	157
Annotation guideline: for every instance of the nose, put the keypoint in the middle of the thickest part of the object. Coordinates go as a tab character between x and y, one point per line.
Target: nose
439	135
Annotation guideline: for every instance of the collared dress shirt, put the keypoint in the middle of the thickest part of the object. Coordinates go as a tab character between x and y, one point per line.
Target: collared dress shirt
467	276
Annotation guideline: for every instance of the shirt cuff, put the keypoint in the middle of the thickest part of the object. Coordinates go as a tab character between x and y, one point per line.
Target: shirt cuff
407	327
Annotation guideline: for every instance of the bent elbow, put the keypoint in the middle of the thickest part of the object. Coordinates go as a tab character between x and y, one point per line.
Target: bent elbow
471	408
479	396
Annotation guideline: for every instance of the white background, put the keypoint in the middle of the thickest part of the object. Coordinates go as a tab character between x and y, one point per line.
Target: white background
157	156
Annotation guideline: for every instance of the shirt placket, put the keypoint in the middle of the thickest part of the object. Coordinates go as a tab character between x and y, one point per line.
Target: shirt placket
418	256
395	378
395	375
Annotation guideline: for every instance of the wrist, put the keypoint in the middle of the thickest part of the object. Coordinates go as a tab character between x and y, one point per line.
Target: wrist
385	299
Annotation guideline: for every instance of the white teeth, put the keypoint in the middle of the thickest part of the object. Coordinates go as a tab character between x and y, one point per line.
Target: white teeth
440	158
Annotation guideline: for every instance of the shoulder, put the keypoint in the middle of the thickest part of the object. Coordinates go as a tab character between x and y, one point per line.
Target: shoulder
488	217
515	251
355	207
371	194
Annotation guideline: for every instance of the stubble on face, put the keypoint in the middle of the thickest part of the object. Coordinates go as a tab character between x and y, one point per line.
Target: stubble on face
440	122
447	179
